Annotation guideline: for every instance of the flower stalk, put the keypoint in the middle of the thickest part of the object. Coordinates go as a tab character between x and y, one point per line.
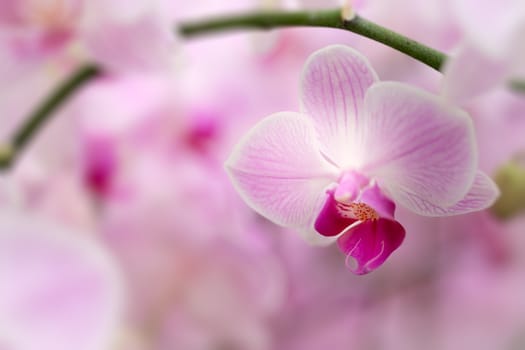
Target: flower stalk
36	120
322	18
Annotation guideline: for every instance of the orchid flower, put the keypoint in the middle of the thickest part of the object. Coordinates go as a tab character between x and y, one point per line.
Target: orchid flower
337	170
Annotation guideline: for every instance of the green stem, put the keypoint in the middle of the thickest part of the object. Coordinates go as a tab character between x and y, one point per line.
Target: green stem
517	85
324	18
43	112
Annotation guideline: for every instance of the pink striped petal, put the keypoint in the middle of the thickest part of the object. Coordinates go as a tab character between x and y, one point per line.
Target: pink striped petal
279	171
421	150
369	244
333	87
481	195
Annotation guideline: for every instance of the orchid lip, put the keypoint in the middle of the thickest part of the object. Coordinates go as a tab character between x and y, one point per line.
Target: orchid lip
354	200
361	217
368	245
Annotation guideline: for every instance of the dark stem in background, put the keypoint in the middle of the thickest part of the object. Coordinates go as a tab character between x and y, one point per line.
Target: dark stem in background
325	18
34	122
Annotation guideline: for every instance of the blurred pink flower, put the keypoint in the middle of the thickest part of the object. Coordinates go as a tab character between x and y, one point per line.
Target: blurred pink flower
129	35
249	287
34	27
492	51
178	265
119	35
60	290
336	170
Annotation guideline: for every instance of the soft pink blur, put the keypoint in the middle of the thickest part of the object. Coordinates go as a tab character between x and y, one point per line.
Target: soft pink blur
119	229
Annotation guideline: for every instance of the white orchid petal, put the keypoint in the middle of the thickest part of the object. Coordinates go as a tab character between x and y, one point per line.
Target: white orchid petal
333	87
279	170
420	148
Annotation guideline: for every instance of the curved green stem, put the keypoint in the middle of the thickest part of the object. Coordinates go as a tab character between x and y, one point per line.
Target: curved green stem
323	18
43	112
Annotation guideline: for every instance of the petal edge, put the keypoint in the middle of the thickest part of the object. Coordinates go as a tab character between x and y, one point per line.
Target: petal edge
482	194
